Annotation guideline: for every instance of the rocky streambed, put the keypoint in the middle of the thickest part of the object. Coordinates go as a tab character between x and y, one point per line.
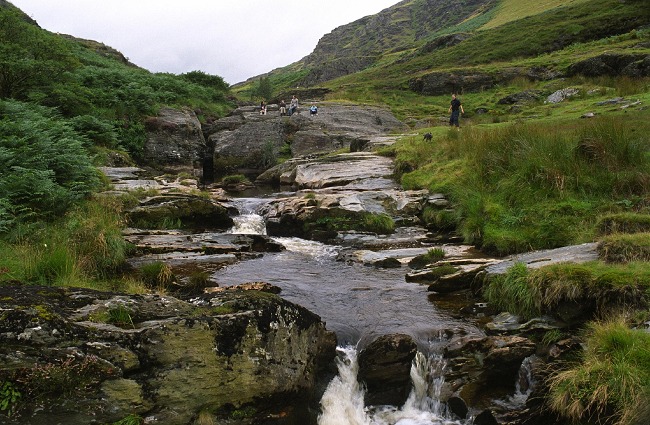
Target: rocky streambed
222	345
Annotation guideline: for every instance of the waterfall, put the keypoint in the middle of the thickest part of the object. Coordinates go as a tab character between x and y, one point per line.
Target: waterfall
248	222
523	387
343	404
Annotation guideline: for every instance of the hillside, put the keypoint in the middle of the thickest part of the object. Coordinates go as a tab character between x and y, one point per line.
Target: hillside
388	51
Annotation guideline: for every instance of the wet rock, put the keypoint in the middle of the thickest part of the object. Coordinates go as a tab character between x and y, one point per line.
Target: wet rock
506	322
536	259
486	417
250	286
187	210
449	275
458	407
179	357
505	355
384	366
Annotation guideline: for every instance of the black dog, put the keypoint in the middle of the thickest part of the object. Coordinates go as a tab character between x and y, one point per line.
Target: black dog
427	137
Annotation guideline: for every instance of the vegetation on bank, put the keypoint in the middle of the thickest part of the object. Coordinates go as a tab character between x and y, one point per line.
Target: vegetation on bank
610	383
65	104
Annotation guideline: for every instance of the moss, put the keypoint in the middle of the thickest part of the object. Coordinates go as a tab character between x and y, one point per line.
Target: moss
624	248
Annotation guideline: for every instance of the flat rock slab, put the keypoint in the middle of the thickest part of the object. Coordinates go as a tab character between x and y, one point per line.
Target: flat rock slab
569	254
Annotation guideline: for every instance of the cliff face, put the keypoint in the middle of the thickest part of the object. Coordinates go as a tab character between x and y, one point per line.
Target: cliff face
360	44
72	360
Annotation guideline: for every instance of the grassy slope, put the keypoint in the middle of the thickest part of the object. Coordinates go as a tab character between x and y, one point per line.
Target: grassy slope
513	10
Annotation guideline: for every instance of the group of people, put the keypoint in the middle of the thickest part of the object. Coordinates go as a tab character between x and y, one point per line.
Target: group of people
293	107
455	109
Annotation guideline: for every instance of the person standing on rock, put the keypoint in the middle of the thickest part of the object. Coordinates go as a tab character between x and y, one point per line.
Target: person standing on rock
456	108
294	105
283	108
263	108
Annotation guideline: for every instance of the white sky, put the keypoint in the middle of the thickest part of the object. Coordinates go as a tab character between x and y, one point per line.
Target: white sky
235	39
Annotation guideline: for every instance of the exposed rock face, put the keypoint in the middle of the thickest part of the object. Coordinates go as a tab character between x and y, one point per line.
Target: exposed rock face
384	366
439	83
174	140
171	359
248	140
612	65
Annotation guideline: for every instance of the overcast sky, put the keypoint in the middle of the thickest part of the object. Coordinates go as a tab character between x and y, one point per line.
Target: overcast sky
235	39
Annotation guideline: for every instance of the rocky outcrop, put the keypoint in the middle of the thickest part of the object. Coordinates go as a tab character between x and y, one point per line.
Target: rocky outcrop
248	140
384	367
174	140
612	65
440	83
77	356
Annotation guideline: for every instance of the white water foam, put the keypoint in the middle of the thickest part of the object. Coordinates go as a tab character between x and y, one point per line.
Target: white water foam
342	402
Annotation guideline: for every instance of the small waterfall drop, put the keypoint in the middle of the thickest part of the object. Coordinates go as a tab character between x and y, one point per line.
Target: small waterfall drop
523	387
248	222
343	401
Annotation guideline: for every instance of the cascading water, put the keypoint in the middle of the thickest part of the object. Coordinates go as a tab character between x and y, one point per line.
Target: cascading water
359	303
343	400
248	222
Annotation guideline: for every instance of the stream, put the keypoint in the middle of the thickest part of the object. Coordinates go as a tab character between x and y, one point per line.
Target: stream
359	303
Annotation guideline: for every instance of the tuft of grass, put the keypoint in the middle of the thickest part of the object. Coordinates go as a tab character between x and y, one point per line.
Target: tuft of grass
120	316
157	275
511	292
130	420
205	418
611	383
625	248
234	179
378	223
626	222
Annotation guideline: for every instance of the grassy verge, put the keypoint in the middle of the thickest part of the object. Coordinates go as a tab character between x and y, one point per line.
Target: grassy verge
530	293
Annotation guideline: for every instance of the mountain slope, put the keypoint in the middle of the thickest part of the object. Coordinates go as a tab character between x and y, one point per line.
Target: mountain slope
417	37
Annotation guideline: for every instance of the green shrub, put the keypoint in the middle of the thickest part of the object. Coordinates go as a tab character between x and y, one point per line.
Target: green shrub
611	383
9	397
45	167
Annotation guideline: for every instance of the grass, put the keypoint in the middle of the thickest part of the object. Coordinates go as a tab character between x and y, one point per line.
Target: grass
544	184
85	246
530	293
512	10
611	383
625	248
156	275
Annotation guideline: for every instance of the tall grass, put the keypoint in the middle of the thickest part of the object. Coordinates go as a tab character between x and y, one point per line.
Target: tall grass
611	383
529	186
85	246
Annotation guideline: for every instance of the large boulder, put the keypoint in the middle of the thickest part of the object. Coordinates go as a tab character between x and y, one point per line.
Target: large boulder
174	140
384	366
74	360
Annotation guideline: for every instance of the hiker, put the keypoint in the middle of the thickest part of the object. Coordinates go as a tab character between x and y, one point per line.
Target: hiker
313	110
263	108
293	106
283	108
456	108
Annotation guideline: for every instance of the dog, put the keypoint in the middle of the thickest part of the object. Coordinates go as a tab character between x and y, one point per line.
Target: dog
427	137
